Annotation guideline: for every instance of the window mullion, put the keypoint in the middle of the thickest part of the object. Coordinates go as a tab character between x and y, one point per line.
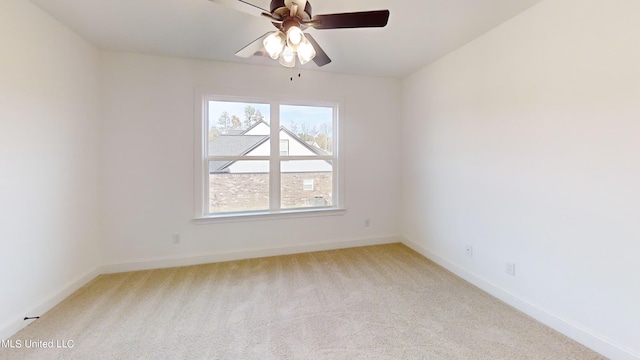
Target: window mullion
236	158
313	157
274	163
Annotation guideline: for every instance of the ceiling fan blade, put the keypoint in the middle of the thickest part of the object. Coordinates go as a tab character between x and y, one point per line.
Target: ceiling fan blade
321	58
378	18
254	47
241	5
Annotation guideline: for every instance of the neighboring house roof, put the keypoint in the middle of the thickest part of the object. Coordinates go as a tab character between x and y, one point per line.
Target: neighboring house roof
232	145
242	144
234	132
312	148
256	124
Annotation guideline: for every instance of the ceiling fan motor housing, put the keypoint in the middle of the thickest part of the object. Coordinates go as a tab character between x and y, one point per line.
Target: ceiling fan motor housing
279	9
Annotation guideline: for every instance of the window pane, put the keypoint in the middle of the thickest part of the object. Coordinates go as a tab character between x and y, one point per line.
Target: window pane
238	129
238	186
310	126
306	183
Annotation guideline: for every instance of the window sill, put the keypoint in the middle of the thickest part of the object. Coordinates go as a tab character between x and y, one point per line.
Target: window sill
260	216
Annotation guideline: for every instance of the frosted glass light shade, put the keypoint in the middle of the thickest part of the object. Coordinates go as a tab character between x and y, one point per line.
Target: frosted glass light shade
288	57
274	44
294	37
306	52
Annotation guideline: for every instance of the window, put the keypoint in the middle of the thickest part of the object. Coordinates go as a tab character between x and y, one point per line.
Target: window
307	185
284	147
266	157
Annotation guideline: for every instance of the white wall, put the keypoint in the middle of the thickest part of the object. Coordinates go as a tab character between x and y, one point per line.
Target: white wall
48	162
148	184
524	144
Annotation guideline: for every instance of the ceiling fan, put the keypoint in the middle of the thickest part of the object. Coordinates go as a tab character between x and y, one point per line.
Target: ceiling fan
291	18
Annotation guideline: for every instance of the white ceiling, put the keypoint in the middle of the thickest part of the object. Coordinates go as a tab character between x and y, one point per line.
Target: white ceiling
418	33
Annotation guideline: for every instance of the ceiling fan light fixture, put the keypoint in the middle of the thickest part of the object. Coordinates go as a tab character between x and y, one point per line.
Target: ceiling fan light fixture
288	57
291	18
295	37
274	44
306	52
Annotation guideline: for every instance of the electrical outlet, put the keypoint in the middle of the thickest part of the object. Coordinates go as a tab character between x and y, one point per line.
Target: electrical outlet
367	222
468	250
510	268
176	238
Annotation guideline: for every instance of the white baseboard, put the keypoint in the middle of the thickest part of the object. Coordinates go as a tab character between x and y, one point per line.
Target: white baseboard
571	329
166	262
10	329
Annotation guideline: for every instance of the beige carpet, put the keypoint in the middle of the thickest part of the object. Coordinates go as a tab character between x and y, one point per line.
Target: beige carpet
378	302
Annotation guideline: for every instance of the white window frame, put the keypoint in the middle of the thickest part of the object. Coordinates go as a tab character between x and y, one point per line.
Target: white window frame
201	166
